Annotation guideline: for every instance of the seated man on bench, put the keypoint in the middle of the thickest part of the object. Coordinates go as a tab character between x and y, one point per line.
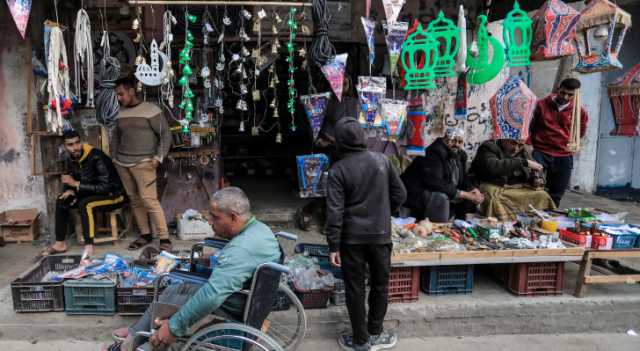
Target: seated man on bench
91	183
251	244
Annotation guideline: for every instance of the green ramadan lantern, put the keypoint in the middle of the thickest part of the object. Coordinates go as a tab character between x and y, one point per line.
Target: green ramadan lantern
517	35
419	57
481	70
447	36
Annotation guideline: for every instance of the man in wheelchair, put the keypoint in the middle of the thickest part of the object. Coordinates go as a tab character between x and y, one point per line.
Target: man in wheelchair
251	243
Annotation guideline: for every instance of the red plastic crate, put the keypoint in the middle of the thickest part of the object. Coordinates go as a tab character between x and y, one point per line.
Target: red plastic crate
404	284
313	299
536	279
579	239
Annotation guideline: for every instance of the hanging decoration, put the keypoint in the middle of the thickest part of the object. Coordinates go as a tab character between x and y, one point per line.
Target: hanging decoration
292	23
416	122
150	74
334	72
60	99
419	75
481	68
401	71
554	31
315	106
394	116
369	32
516	33
218	80
20	10
624	94
512	110
392	9
83	57
241	58
447	37
167	74
460	105
205	71
370	91
311	169
600	33
461	61
185	59
139	39
395	38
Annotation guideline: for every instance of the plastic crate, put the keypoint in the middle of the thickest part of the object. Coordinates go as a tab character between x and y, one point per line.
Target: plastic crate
30	294
624	241
133	301
536	279
404	283
97	297
312	299
338	298
443	280
583	240
317	250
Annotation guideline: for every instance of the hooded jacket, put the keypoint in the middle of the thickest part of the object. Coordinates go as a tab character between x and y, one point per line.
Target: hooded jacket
95	172
363	190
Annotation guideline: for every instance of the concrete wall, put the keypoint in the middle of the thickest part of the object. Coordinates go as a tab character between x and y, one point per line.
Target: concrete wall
18	189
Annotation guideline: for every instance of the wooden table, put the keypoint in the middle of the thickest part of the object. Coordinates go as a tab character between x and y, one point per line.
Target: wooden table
569	254
608	277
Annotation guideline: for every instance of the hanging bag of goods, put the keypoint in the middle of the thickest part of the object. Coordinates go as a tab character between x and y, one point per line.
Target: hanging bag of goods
370	91
554	31
315	107
624	94
394	116
311	169
512	110
395	38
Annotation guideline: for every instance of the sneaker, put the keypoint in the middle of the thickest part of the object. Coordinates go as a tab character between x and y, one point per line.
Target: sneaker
384	341
346	343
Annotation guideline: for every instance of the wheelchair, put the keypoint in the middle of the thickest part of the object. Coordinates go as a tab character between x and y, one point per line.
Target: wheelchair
260	327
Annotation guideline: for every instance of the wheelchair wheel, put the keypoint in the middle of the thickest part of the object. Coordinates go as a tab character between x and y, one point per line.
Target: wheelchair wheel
288	326
230	336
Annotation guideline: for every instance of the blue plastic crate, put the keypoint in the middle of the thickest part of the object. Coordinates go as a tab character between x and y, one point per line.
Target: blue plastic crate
444	280
96	297
625	240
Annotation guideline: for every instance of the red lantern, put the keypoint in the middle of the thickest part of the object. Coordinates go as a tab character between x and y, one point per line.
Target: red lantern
624	94
554	31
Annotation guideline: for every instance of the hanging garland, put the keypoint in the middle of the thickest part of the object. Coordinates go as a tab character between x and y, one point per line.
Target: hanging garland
166	89
185	58
291	88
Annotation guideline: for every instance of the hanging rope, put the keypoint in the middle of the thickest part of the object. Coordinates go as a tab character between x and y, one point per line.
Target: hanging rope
57	80
106	100
576	120
321	48
83	57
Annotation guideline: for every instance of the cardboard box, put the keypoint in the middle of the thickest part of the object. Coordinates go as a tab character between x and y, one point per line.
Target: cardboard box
19	225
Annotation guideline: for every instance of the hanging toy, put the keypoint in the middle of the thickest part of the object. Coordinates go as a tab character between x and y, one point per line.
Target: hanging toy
481	69
419	75
395	38
392	10
334	72
310	171
370	91
369	32
315	107
517	36
394	116
447	35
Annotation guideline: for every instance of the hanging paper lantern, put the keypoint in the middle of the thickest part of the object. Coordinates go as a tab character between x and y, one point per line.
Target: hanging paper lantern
369	32
512	110
315	107
624	94
334	72
600	33
554	31
517	36
394	116
370	91
395	38
447	36
420	74
310	171
416	122
481	69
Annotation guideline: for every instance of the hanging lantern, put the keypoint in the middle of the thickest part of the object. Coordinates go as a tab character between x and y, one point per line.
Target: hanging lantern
447	37
517	37
512	110
601	31
624	94
420	74
481	69
554	31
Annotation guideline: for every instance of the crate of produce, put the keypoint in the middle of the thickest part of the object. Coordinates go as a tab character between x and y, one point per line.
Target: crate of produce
444	280
536	279
404	283
96	297
31	294
134	301
580	239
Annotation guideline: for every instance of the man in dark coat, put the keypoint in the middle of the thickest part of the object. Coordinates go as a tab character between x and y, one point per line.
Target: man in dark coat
363	190
437	183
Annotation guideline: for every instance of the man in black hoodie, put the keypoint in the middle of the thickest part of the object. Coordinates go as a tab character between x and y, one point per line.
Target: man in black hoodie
363	190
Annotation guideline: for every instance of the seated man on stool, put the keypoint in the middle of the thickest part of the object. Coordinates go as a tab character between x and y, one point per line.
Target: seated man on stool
437	183
91	183
251	244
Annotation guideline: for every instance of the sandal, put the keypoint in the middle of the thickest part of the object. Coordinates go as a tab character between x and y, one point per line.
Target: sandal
138	243
166	245
49	251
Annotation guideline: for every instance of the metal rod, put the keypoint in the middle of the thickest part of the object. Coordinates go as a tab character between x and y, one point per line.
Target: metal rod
219	2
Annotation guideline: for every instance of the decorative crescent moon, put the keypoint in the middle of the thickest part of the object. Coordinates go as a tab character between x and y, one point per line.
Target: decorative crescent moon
482	71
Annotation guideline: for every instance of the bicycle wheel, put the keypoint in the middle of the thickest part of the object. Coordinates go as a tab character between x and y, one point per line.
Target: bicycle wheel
287	327
230	336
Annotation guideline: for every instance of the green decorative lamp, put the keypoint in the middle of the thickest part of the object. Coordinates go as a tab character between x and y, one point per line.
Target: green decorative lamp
447	37
517	35
418	46
481	70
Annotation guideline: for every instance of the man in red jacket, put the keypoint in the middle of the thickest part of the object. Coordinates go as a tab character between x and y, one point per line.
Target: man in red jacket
550	134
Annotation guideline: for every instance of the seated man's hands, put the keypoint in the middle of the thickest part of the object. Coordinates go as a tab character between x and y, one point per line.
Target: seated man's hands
478	197
163	337
68	180
68	194
534	165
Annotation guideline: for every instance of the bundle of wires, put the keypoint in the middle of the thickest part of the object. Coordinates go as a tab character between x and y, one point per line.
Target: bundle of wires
321	48
106	100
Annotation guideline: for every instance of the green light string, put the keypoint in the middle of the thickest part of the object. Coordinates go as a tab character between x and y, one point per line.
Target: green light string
185	58
293	94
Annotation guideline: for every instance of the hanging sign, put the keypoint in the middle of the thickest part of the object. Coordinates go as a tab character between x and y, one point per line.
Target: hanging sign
392	10
395	38
370	91
310	171
394	116
369	32
334	72
20	10
315	107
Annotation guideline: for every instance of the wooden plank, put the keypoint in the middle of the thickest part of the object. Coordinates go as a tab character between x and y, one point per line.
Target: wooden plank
470	255
609	279
484	260
616	253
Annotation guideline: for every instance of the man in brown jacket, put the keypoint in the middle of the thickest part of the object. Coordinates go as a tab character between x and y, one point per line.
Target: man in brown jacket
140	141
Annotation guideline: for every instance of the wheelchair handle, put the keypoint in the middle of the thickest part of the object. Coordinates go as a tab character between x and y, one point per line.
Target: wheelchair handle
277	267
287	236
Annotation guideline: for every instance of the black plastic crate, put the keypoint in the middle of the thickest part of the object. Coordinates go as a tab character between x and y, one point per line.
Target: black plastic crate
30	294
444	280
317	250
134	301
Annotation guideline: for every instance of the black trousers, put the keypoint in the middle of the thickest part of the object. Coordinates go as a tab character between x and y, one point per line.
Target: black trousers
354	264
86	208
558	170
438	208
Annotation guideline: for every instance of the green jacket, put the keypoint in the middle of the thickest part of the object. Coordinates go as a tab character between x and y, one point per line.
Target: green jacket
237	262
493	165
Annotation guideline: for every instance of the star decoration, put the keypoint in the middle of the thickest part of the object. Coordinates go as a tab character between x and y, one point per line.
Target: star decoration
302	52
